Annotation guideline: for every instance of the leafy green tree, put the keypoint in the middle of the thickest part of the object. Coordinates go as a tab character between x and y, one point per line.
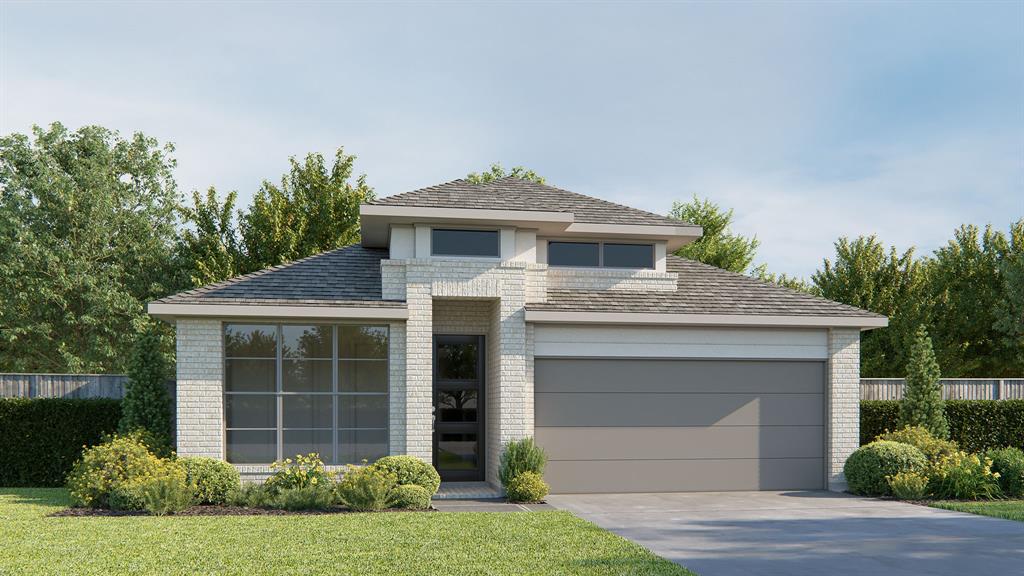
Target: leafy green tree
497	171
972	298
718	246
868	276
313	210
87	228
147	404
1010	311
208	247
782	279
922	403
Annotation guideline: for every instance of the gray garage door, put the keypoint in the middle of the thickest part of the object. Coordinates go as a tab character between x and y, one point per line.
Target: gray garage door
612	425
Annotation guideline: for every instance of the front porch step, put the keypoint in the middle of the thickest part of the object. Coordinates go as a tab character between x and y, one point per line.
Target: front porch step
467	491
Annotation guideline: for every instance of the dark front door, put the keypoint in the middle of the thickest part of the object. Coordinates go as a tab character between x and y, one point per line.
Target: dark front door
459	407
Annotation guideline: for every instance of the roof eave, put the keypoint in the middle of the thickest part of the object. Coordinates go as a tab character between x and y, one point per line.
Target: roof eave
170	311
657	318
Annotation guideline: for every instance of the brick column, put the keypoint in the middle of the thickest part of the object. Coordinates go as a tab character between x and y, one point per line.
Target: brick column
200	388
419	338
843	412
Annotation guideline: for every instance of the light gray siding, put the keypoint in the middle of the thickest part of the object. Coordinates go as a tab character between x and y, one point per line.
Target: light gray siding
641	425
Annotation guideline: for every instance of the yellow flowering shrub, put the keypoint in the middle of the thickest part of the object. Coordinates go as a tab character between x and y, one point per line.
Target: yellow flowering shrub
908	485
304	471
963	476
113	466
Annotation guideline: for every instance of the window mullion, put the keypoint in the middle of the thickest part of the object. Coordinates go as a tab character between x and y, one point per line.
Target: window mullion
334	396
279	375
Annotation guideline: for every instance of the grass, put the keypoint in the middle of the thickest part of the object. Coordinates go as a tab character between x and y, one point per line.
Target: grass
1006	509
385	543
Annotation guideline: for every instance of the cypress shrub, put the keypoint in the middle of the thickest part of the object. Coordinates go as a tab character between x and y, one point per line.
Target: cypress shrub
147	405
41	438
922	403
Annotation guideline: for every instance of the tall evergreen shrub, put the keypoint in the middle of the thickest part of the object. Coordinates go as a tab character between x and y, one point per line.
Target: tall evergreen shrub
922	403
147	405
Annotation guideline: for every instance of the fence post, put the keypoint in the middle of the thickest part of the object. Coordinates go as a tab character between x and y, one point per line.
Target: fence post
1002	390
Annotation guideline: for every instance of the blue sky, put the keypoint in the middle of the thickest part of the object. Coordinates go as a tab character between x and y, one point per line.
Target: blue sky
811	120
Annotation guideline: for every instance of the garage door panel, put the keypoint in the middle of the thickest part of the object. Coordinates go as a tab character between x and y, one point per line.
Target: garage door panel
657	443
623	410
684	475
659	375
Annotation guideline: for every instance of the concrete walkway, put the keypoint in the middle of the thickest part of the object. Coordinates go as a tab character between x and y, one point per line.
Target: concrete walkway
798	533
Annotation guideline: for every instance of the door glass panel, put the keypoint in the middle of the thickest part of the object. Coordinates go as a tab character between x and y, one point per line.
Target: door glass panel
457	451
456	405
457	361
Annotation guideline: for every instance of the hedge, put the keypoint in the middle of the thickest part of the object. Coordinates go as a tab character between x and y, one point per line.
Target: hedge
975	425
41	438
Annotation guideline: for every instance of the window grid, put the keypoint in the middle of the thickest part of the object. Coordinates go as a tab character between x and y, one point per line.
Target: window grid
336	394
600	255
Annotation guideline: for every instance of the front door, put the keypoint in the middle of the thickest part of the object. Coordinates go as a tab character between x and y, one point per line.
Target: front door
459	407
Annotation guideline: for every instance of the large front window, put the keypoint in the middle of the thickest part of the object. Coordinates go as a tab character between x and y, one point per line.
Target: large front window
293	389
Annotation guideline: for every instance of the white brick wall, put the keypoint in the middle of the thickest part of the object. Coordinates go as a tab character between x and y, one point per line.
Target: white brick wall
611	279
200	386
843	402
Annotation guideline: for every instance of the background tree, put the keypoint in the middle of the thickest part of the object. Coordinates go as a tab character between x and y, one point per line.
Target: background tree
971	293
87	227
313	210
922	403
1010	311
866	275
718	246
147	404
497	171
208	247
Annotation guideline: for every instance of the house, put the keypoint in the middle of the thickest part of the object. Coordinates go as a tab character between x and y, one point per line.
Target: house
475	314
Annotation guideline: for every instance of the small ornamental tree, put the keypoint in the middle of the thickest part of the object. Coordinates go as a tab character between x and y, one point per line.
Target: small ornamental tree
922	403
147	405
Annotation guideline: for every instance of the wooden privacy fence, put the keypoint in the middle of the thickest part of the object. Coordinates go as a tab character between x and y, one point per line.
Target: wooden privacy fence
66	386
952	388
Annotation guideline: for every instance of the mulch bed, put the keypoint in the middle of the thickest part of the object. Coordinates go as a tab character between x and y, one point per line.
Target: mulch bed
214	511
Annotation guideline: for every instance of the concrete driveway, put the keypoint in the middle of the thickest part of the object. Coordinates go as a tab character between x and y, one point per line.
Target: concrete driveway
813	533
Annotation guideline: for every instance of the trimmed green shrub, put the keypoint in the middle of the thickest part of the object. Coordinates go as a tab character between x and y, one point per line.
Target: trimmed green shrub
908	485
118	464
312	497
301	472
147	405
41	438
411	470
411	497
526	487
922	403
366	488
253	496
963	476
1009	464
975	425
166	494
867	468
933	448
212	481
521	456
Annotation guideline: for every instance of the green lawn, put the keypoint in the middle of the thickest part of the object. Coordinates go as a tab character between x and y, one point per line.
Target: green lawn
386	543
1008	509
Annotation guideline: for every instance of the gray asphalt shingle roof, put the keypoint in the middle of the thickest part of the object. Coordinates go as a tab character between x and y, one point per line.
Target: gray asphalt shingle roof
517	194
346	276
702	289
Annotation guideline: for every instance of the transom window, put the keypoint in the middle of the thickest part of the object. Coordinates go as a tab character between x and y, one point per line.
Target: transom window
600	254
294	389
451	242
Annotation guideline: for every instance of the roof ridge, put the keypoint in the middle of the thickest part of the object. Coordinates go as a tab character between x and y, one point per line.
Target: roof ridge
770	285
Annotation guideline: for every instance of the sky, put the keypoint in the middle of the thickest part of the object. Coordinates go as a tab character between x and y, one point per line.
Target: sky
810	120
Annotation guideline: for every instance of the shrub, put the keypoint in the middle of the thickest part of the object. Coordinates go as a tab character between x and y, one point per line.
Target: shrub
411	470
521	456
526	487
963	476
41	438
304	471
1009	464
313	497
147	405
116	465
867	468
212	481
922	403
366	488
253	496
411	497
908	485
933	448
166	494
975	425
